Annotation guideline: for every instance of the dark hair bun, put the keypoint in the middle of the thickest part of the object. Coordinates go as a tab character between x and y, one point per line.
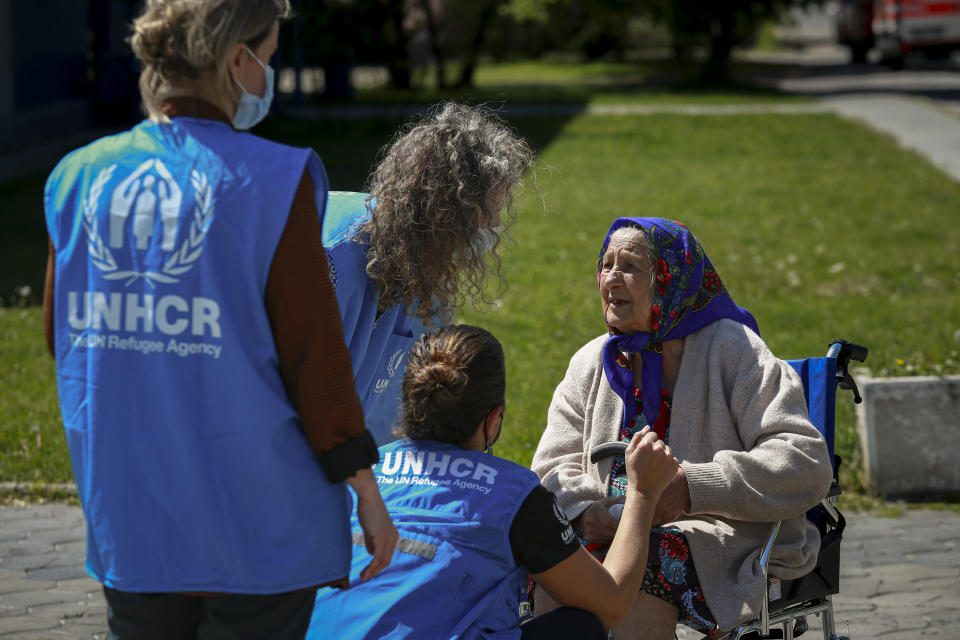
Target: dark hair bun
454	376
435	387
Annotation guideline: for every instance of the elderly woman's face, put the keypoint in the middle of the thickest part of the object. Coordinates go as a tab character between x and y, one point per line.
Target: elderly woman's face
625	286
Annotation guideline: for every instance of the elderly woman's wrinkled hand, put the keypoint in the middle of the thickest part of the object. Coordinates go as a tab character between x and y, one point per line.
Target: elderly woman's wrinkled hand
597	524
650	464
674	500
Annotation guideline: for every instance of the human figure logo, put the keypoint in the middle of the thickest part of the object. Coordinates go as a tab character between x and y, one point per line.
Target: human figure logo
148	191
136	194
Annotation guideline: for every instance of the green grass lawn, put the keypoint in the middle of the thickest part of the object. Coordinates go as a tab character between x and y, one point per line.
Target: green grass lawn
32	442
822	228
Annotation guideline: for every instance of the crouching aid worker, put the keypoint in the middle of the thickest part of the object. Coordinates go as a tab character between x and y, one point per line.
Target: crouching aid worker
472	526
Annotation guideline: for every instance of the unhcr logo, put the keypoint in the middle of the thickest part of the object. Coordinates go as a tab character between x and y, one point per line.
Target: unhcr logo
148	192
436	469
145	209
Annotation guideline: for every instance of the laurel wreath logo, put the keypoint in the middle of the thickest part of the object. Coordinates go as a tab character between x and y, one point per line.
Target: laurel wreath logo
179	262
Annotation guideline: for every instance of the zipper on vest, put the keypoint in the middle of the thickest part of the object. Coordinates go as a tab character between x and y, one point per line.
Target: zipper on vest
464	582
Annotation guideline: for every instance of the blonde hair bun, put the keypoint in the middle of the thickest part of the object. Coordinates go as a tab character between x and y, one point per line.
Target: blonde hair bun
184	45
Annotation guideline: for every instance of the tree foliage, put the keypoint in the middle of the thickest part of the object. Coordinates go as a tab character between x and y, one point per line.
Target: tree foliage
720	26
451	35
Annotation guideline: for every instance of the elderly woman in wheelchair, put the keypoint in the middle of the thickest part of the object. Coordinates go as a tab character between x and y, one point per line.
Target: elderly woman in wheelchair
681	357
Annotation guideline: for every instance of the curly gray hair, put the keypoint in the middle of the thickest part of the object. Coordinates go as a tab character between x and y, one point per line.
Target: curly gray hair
437	183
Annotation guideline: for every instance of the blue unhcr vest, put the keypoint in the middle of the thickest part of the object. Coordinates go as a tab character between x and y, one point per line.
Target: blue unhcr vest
378	345
453	574
191	465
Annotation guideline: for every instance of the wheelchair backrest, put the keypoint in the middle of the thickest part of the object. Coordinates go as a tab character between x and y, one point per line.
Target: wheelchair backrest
819	376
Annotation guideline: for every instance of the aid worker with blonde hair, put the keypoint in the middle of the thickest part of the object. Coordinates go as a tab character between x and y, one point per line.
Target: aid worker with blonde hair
205	389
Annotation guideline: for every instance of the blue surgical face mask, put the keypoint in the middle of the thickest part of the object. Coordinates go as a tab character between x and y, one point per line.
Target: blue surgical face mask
253	108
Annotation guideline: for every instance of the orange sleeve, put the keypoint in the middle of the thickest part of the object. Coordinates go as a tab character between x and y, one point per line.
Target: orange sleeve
314	361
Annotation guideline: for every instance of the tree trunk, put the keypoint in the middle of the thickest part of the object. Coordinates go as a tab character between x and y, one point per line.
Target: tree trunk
399	66
337	81
722	39
297	60
487	13
439	57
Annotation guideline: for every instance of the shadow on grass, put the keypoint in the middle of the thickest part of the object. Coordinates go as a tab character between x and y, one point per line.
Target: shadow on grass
930	79
577	83
23	240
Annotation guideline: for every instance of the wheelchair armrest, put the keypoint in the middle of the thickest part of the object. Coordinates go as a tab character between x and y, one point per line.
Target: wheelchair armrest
607	450
835	490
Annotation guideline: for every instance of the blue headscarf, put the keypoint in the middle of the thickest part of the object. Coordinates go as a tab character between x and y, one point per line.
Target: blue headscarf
687	295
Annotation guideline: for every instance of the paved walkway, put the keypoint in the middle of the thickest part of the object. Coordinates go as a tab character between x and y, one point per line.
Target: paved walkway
916	124
900	577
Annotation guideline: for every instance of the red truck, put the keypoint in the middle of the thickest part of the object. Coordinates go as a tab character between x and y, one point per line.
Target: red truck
928	26
899	27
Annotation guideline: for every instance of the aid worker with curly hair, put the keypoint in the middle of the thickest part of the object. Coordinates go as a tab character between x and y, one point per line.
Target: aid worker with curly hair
205	389
426	237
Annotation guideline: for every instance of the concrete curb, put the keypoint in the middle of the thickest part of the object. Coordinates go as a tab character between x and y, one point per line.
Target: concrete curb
43	487
403	111
909	431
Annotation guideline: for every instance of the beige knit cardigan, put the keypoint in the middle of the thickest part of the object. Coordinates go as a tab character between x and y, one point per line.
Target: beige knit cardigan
739	427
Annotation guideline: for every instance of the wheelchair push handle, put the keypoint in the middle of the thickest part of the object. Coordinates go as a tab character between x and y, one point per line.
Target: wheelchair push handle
844	352
607	450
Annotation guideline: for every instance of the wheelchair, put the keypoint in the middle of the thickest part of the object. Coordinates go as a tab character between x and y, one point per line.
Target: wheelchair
788	603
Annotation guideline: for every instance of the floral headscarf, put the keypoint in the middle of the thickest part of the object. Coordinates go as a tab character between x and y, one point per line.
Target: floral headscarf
687	295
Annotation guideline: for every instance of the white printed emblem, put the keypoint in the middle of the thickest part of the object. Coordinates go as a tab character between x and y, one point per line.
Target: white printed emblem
568	533
148	191
395	361
392	365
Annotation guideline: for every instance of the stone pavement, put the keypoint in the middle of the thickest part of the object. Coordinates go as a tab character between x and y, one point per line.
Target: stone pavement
44	589
900	577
